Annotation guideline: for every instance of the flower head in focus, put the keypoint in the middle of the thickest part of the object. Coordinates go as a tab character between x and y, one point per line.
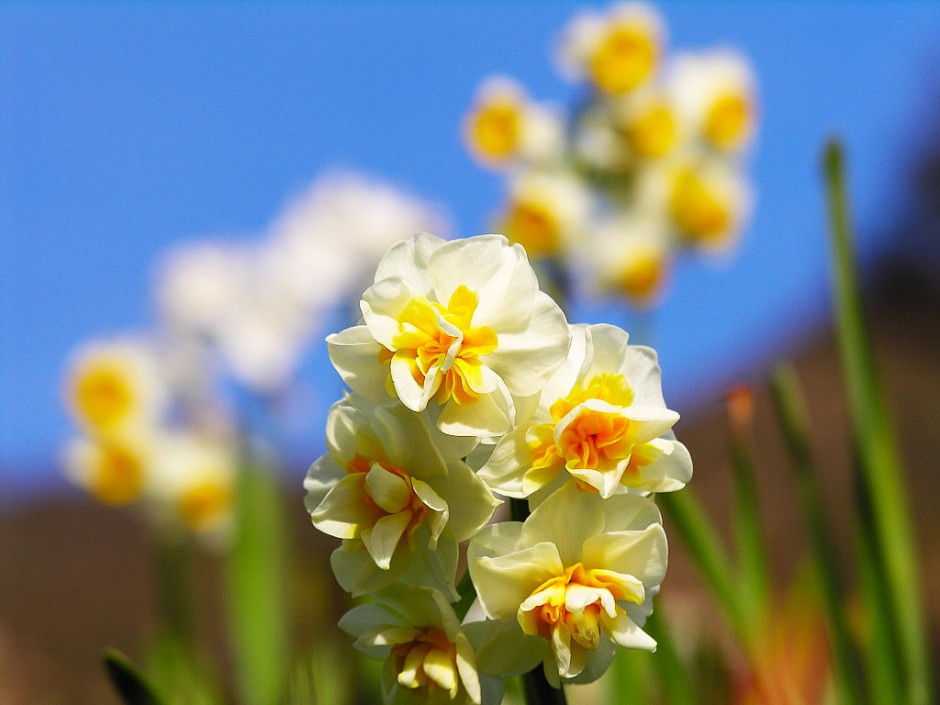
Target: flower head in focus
580	574
428	658
397	486
459	325
600	421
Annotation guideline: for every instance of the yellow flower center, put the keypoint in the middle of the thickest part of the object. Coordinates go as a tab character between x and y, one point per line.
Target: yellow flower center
642	277
653	133
104	396
428	662
698	209
625	57
534	225
728	120
205	504
439	342
495	129
118	476
592	435
576	601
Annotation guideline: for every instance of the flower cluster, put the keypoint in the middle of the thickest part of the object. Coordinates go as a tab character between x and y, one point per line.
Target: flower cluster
649	162
468	383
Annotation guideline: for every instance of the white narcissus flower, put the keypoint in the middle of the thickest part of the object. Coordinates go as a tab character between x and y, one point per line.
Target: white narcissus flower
704	199
631	256
428	657
618	51
115	386
715	98
461	326
397	486
546	211
114	470
600	421
648	123
193	484
505	126
580	573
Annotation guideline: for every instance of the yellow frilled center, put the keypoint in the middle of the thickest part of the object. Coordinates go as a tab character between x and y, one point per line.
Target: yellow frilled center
643	275
592	435
205	505
406	501
104	395
728	121
428	662
557	604
441	342
700	211
653	132
534	224
625	57
118	475
495	129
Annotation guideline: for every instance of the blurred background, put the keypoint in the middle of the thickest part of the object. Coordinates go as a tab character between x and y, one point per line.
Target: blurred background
129	129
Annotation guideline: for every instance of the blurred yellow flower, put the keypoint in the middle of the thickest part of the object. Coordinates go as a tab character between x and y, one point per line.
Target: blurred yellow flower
546	212
114	471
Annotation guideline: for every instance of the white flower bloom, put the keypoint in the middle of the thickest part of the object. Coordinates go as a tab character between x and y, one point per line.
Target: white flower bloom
705	200
594	424
116	385
631	257
428	657
113	470
618	51
546	211
648	123
193	483
505	126
715	97
579	573
330	237
396	485
461	324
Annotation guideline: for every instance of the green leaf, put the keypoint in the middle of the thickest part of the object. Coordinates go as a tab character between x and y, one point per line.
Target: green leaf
673	673
128	680
874	445
256	581
794	422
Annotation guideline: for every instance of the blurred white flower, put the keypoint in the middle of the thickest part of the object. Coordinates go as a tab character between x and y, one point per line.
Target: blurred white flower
114	471
631	256
616	51
715	97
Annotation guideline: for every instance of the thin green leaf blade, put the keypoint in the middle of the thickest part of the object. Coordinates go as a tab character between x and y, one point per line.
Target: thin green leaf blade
128	680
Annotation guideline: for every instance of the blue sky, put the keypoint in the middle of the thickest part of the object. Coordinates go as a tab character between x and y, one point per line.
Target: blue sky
125	129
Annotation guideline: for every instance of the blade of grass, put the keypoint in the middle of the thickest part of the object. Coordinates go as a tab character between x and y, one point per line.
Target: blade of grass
752	555
877	455
688	519
793	418
131	684
255	581
626	682
672	672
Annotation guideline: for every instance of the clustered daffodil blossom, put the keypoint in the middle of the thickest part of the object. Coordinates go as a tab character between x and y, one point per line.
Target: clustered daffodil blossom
467	383
653	153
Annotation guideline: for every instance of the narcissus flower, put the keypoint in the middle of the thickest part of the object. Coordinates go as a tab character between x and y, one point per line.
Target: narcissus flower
113	386
617	51
460	326
579	573
397	486
600	422
649	125
546	211
504	126
715	98
113	470
632	257
428	658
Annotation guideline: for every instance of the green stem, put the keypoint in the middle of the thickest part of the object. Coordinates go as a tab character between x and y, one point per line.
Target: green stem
673	673
172	567
878	460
